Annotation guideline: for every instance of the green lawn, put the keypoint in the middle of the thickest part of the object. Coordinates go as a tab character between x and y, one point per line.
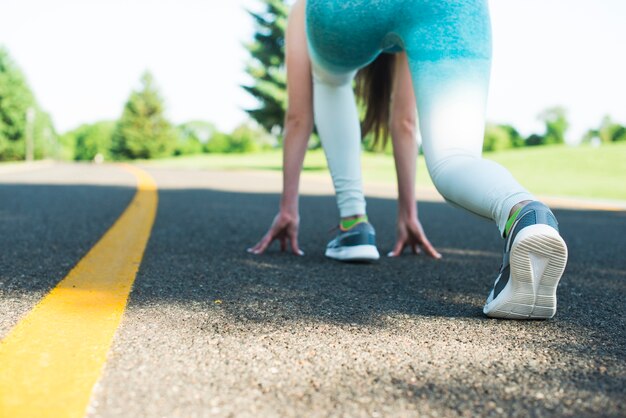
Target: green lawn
550	170
567	171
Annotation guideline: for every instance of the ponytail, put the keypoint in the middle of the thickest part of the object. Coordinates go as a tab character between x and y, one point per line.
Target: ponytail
374	85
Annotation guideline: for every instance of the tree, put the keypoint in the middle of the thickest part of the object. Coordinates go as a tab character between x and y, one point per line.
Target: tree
501	137
15	100
193	137
143	131
516	139
218	144
247	137
610	131
556	125
89	140
267	66
535	139
496	138
197	130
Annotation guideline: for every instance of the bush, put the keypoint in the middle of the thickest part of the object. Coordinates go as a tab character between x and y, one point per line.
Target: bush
244	139
188	146
535	139
610	131
497	138
193	137
218	144
91	140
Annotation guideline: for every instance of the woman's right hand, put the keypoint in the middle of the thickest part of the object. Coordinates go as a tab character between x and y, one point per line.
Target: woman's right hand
284	228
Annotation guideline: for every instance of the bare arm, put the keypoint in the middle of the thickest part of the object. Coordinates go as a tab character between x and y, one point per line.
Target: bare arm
299	117
298	128
403	129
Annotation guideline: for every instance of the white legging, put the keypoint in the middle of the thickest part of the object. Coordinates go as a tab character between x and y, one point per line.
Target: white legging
452	127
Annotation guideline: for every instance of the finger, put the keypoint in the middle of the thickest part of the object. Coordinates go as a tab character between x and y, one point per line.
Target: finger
283	243
430	250
416	249
254	248
397	249
294	245
263	244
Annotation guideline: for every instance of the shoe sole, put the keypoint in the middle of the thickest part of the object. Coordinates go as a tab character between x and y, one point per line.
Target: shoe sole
538	259
354	253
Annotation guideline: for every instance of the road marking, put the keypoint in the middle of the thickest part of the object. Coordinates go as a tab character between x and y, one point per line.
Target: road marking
51	360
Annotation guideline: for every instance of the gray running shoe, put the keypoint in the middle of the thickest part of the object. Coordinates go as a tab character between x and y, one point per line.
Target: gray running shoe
356	244
534	260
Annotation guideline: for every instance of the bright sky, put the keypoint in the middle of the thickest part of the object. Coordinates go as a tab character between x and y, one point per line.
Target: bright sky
83	57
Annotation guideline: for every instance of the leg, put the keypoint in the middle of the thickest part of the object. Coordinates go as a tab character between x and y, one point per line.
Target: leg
451	93
338	125
339	44
452	99
452	118
337	122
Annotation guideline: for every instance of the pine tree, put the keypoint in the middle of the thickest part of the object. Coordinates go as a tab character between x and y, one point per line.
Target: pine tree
142	131
267	66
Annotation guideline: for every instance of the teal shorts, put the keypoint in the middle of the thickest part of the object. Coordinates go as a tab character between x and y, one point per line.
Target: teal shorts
345	35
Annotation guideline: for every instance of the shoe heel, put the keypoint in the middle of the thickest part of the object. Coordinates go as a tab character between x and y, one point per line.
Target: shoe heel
538	259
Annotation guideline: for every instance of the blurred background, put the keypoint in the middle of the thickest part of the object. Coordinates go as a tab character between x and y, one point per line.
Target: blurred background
201	84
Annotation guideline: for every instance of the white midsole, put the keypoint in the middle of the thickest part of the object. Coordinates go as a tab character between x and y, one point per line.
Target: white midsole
538	259
354	253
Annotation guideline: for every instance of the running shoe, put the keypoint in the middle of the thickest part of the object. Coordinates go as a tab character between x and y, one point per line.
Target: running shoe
534	260
355	244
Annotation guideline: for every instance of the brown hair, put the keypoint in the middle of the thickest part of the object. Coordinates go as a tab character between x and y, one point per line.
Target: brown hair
373	88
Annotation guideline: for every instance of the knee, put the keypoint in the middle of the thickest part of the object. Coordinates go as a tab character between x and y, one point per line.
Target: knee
448	167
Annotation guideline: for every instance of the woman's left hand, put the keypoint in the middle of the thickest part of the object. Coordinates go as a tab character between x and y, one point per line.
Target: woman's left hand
410	233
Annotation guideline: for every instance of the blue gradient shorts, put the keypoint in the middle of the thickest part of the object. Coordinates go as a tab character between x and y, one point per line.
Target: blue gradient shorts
345	35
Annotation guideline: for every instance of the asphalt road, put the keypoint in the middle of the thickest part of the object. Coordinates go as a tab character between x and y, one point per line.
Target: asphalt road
213	331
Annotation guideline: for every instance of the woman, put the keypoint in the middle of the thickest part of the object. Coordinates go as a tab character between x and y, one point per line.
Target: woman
448	48
298	128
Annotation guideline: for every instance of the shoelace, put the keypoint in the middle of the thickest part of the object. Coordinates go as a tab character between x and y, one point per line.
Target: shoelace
333	229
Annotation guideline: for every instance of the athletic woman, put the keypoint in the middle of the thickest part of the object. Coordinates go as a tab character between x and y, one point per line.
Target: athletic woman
448	47
400	111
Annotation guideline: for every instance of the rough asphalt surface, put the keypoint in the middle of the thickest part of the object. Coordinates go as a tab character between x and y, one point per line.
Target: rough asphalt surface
213	331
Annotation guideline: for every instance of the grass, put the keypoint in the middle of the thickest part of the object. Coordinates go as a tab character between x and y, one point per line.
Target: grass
582	171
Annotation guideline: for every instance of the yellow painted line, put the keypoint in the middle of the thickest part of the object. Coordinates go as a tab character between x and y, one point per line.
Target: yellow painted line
51	360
